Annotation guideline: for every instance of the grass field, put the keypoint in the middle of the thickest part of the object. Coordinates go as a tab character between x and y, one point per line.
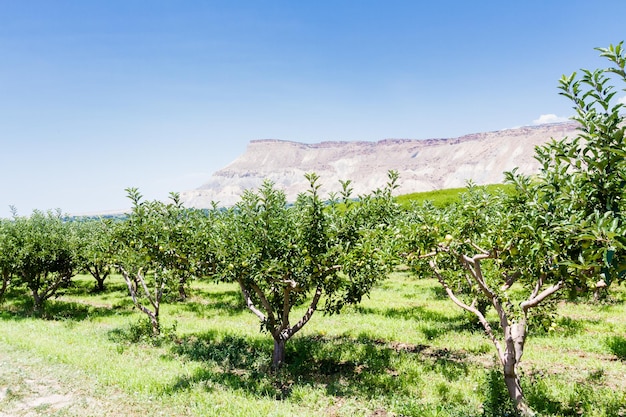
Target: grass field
441	198
404	351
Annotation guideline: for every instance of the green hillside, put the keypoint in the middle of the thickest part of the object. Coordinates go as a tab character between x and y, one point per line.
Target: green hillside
441	198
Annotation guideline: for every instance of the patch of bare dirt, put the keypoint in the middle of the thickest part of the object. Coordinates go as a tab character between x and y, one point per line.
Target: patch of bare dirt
30	387
26	390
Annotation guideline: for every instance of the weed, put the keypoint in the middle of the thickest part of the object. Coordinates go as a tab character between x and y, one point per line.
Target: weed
140	331
617	345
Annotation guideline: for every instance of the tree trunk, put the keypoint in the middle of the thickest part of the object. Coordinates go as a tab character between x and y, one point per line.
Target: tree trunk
512	381
99	283
156	327
5	283
98	276
278	357
37	302
515	338
132	283
182	294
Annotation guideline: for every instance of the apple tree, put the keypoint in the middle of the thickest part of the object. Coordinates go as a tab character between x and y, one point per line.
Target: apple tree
321	256
154	251
43	248
7	255
587	173
561	228
479	250
95	251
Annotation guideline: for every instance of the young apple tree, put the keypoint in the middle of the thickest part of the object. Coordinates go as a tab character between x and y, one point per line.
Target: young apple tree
587	174
477	250
323	256
561	228
43	248
154	249
7	255
95	251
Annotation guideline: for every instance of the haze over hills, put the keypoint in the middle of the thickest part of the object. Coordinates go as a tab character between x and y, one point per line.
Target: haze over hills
423	165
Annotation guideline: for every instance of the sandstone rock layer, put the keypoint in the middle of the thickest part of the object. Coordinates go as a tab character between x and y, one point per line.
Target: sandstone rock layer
423	165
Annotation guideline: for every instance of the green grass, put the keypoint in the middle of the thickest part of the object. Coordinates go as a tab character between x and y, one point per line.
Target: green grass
442	198
403	351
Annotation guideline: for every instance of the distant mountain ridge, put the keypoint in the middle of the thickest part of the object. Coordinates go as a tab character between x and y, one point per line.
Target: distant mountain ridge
423	164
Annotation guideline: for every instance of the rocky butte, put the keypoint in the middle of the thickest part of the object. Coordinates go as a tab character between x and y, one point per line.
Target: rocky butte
424	165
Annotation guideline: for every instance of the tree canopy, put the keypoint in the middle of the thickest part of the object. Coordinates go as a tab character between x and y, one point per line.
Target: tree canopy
563	227
284	256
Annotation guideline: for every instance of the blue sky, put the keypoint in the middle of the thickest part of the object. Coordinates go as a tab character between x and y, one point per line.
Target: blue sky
97	96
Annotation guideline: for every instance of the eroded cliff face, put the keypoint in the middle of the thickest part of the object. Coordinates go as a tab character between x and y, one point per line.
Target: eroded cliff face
423	165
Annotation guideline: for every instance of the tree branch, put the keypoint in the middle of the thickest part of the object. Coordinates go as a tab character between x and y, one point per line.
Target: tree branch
481	318
53	287
427	255
483	253
509	281
473	265
146	291
266	305
534	301
133	291
538	286
5	282
309	312
249	303
286	307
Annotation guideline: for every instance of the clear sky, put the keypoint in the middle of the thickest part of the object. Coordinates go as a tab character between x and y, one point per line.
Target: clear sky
100	95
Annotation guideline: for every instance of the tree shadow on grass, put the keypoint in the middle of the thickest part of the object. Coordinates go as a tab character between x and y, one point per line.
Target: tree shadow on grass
582	399
497	401
343	366
573	326
228	351
16	304
537	392
432	323
205	304
228	360
20	306
87	287
69	310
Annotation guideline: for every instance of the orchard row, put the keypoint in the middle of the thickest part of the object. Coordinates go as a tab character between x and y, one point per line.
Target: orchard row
562	229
